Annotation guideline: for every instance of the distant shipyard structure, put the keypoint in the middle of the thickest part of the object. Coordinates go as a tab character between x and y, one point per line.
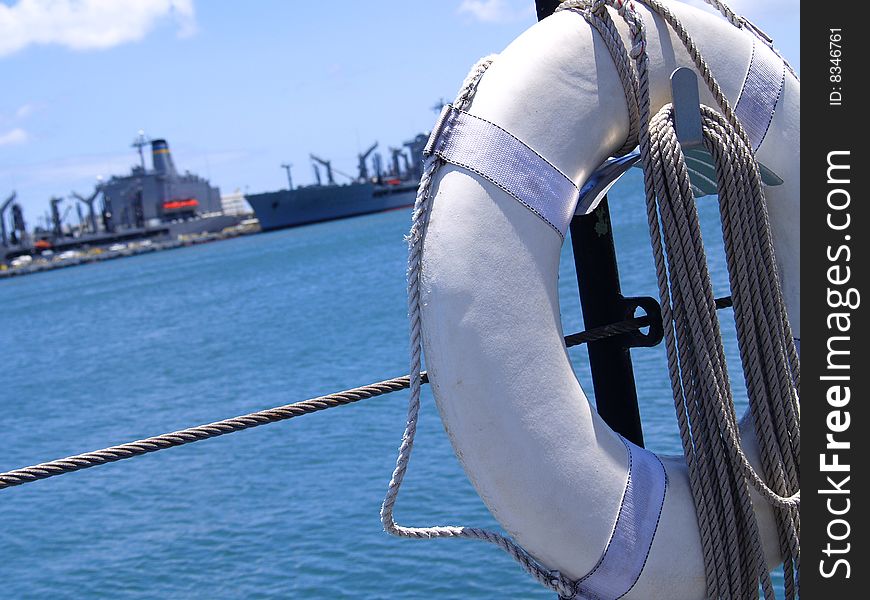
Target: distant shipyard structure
234	203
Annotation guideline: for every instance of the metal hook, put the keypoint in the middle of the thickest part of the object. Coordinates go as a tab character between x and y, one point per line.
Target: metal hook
690	134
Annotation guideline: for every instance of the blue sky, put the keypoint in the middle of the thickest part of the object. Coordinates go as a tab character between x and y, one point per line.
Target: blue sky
240	87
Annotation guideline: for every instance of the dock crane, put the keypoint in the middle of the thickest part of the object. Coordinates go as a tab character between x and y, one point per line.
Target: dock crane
330	180
363	169
287	167
55	217
3	208
327	164
89	202
65	214
19	228
378	164
415	150
398	153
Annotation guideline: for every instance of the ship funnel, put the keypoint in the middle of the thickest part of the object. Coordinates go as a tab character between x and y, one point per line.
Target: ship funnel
162	158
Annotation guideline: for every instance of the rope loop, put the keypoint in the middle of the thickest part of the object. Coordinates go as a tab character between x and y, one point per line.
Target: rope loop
719	471
420	218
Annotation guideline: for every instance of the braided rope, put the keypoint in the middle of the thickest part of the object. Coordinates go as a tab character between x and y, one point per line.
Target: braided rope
732	546
741	22
726	12
718	468
719	472
606	28
420	217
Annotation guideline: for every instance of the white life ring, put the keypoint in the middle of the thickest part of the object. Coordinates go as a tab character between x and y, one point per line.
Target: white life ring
546	465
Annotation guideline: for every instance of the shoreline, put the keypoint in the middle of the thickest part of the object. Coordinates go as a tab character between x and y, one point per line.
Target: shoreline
97	255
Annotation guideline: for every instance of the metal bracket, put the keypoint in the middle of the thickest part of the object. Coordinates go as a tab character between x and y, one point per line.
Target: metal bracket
690	134
653	313
759	33
687	108
602	179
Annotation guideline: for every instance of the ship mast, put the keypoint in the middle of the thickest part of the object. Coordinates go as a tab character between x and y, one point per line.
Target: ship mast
287	167
140	142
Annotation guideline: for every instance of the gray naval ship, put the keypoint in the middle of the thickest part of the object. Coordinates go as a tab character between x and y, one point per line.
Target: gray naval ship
155	204
371	191
183	203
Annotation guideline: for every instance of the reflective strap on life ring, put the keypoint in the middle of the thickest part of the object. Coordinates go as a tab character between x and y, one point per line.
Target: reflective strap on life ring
620	566
483	147
760	93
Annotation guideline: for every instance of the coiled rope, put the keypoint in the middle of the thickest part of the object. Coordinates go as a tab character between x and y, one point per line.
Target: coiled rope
719	472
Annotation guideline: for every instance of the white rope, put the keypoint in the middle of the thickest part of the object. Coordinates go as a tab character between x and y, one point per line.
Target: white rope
726	12
420	217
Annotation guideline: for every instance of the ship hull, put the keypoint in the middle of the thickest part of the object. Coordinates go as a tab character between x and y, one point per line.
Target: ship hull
314	204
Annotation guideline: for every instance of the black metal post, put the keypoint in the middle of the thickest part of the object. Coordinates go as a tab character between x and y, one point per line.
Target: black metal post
545	8
603	303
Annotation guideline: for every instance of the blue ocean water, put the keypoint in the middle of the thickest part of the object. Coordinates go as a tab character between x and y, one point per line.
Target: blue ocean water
106	353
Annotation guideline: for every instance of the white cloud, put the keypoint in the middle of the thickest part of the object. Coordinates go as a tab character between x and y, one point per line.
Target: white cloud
24	111
87	24
14	136
497	11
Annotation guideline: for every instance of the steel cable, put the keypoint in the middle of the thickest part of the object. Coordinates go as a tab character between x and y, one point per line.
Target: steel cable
264	417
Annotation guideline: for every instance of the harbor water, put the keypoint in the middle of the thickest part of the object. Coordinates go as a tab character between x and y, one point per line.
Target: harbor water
102	354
